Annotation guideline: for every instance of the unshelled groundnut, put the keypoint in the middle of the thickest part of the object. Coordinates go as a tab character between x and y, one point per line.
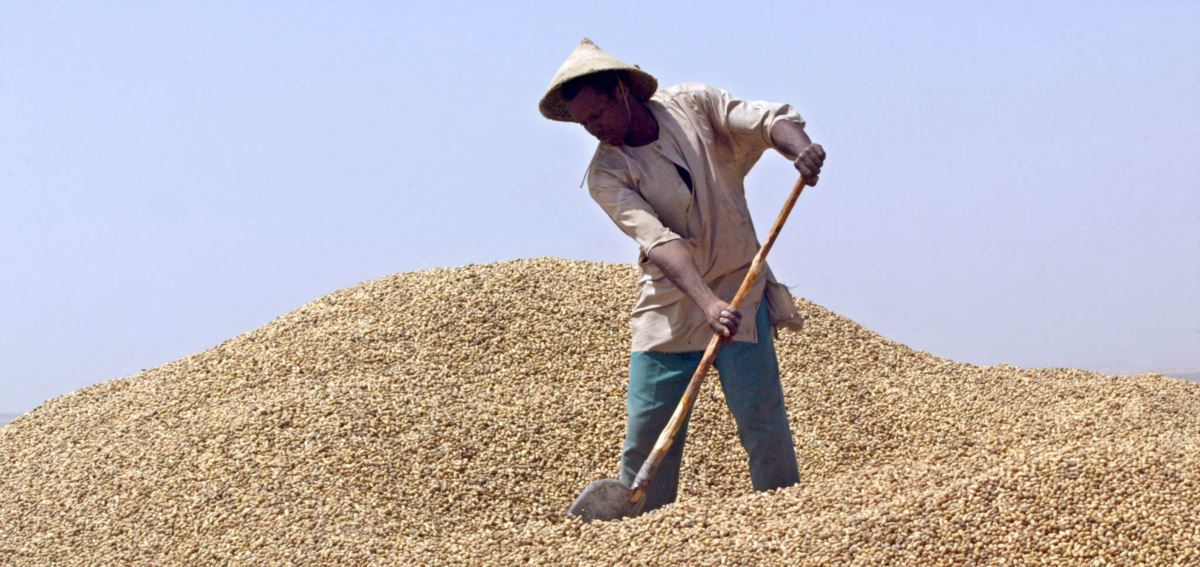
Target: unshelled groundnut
449	416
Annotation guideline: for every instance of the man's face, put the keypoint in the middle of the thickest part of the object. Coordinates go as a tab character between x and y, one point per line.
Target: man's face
602	115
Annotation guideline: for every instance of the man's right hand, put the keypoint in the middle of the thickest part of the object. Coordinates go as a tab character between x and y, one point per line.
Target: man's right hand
675	261
723	319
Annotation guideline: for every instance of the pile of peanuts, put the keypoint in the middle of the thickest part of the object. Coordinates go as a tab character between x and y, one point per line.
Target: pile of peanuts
449	416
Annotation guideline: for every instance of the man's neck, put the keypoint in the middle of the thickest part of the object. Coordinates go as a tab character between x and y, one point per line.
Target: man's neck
643	128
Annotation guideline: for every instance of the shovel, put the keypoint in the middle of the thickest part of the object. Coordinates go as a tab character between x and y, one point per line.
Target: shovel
610	499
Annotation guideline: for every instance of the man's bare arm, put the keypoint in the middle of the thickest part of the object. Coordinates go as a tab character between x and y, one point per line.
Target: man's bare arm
676	262
791	138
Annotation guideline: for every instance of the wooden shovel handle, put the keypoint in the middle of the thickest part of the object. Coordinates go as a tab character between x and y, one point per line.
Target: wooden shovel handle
637	497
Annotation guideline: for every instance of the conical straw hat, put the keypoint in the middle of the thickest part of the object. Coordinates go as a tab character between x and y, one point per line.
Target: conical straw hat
585	60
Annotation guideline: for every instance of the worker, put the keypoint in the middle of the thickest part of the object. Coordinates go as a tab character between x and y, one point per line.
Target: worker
669	171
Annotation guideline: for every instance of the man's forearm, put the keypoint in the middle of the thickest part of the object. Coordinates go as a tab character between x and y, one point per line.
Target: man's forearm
675	260
808	157
789	137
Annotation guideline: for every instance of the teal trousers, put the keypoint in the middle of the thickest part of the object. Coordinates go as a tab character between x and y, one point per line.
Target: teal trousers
750	379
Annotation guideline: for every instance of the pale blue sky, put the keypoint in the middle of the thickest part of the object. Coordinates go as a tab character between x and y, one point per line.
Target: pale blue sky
1016	183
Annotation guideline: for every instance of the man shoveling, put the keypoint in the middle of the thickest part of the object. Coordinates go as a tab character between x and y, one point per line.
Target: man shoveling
669	171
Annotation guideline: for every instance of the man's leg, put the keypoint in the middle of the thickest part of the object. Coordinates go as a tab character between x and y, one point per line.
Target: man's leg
750	379
656	383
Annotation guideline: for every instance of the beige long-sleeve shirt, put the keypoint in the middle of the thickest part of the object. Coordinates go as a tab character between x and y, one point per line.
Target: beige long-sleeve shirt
717	139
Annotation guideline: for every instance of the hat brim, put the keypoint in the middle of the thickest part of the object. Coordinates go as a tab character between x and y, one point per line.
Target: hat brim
554	106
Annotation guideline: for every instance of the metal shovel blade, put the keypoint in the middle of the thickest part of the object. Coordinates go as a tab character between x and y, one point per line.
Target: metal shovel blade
605	499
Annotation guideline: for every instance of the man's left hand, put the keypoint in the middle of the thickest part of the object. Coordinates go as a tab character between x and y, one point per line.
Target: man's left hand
809	162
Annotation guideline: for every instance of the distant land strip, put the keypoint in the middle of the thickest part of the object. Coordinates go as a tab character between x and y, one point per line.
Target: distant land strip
1193	375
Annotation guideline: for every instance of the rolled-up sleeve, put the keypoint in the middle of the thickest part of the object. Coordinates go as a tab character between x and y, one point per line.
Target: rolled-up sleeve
748	122
627	208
